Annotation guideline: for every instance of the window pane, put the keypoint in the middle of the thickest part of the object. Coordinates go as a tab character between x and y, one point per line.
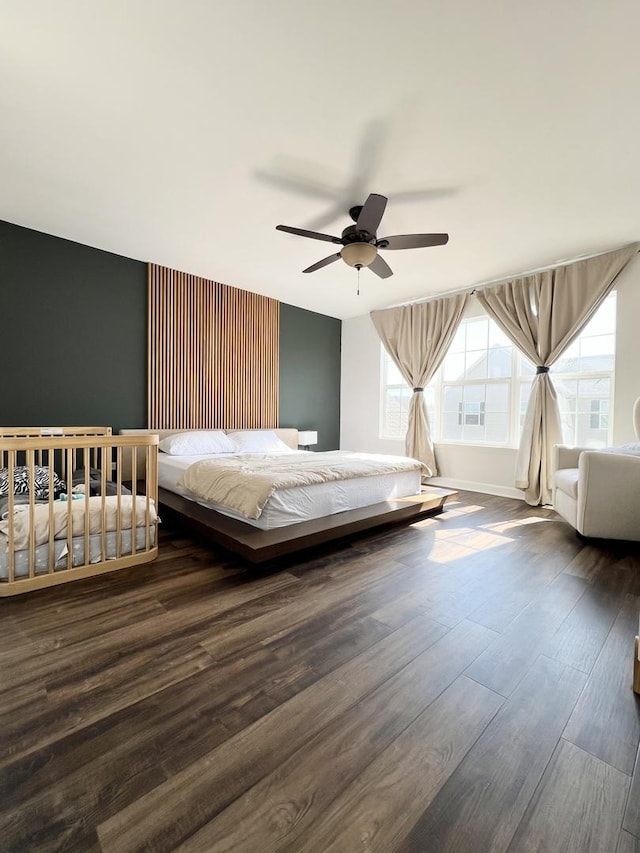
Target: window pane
497	427
476	364
451	397
499	362
598	345
394	377
525	392
474	393
396	412
451	430
592	391
526	367
477	334
498	397
497	337
457	344
589	435
430	403
453	367
604	320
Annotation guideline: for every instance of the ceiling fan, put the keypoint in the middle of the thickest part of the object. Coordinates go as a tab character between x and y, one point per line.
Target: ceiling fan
359	242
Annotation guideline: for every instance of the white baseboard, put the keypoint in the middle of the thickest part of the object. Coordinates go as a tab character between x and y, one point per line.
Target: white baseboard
472	486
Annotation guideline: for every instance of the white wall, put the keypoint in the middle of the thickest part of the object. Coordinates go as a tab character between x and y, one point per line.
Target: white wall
486	469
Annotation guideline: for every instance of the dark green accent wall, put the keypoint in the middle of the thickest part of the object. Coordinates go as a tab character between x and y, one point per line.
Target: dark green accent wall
310	373
72	333
73	326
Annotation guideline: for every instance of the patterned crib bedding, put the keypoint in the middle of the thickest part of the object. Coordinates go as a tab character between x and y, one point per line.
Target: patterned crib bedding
118	514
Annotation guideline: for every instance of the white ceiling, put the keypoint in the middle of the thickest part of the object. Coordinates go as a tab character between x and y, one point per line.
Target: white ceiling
158	129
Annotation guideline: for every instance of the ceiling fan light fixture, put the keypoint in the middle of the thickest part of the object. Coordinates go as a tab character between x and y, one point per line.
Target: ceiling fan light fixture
359	254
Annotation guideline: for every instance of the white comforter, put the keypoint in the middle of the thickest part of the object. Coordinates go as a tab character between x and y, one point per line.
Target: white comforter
21	519
245	483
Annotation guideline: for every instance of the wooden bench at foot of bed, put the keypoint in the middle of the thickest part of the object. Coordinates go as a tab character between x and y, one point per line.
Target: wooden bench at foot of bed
256	545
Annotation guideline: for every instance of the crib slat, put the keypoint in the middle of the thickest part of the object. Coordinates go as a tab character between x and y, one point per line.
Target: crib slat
134	489
103	507
11	464
69	455
119	501
31	463
51	555
87	518
147	519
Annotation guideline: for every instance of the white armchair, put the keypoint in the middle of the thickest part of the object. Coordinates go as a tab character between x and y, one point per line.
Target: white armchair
598	492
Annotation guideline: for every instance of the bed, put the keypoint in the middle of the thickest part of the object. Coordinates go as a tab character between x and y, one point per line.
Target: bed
302	512
65	511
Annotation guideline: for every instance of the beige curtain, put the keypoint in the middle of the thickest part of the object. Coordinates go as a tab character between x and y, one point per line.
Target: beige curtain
417	338
542	313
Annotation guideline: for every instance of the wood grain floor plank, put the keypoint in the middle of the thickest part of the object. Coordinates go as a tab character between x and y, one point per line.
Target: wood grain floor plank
606	720
190	625
575	784
631	821
187	715
628	843
480	806
580	638
375	812
162	818
520	585
355	591
113	714
283	804
68	706
507	660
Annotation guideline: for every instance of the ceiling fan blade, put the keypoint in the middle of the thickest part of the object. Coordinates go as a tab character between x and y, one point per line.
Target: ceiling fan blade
323	263
315	235
426	194
297	184
366	161
413	241
371	213
336	211
381	267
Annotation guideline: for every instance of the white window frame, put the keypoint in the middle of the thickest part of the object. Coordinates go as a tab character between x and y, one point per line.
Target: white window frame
385	360
515	382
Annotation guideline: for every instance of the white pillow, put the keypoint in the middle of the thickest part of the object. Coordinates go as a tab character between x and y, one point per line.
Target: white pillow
258	441
197	443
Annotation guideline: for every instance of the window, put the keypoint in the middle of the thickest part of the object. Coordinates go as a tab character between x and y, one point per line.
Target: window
583	377
481	391
396	394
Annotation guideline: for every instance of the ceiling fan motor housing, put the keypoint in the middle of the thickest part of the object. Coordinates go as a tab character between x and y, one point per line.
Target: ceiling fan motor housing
351	234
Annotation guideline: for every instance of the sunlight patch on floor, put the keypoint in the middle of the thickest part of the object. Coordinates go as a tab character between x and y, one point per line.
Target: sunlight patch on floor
501	526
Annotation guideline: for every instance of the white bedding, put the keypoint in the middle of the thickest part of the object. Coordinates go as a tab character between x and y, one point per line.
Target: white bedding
303	503
116	511
21	565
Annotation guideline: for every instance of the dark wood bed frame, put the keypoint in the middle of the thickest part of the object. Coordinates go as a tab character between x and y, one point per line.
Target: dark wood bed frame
257	545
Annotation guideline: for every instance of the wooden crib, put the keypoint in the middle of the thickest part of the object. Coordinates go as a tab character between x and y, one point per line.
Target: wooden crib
74	502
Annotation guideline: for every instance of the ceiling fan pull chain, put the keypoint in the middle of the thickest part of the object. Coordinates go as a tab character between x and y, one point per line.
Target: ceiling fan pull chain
358	293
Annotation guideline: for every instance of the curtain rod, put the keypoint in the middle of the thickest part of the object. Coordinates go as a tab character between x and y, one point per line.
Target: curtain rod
471	289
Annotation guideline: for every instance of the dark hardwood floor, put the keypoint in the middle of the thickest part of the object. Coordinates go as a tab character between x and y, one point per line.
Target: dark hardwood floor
462	684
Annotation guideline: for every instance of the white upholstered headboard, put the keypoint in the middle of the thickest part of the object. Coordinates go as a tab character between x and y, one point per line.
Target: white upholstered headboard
289	436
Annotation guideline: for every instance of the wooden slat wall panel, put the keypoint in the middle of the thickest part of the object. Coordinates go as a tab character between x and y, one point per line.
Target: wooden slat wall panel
213	354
